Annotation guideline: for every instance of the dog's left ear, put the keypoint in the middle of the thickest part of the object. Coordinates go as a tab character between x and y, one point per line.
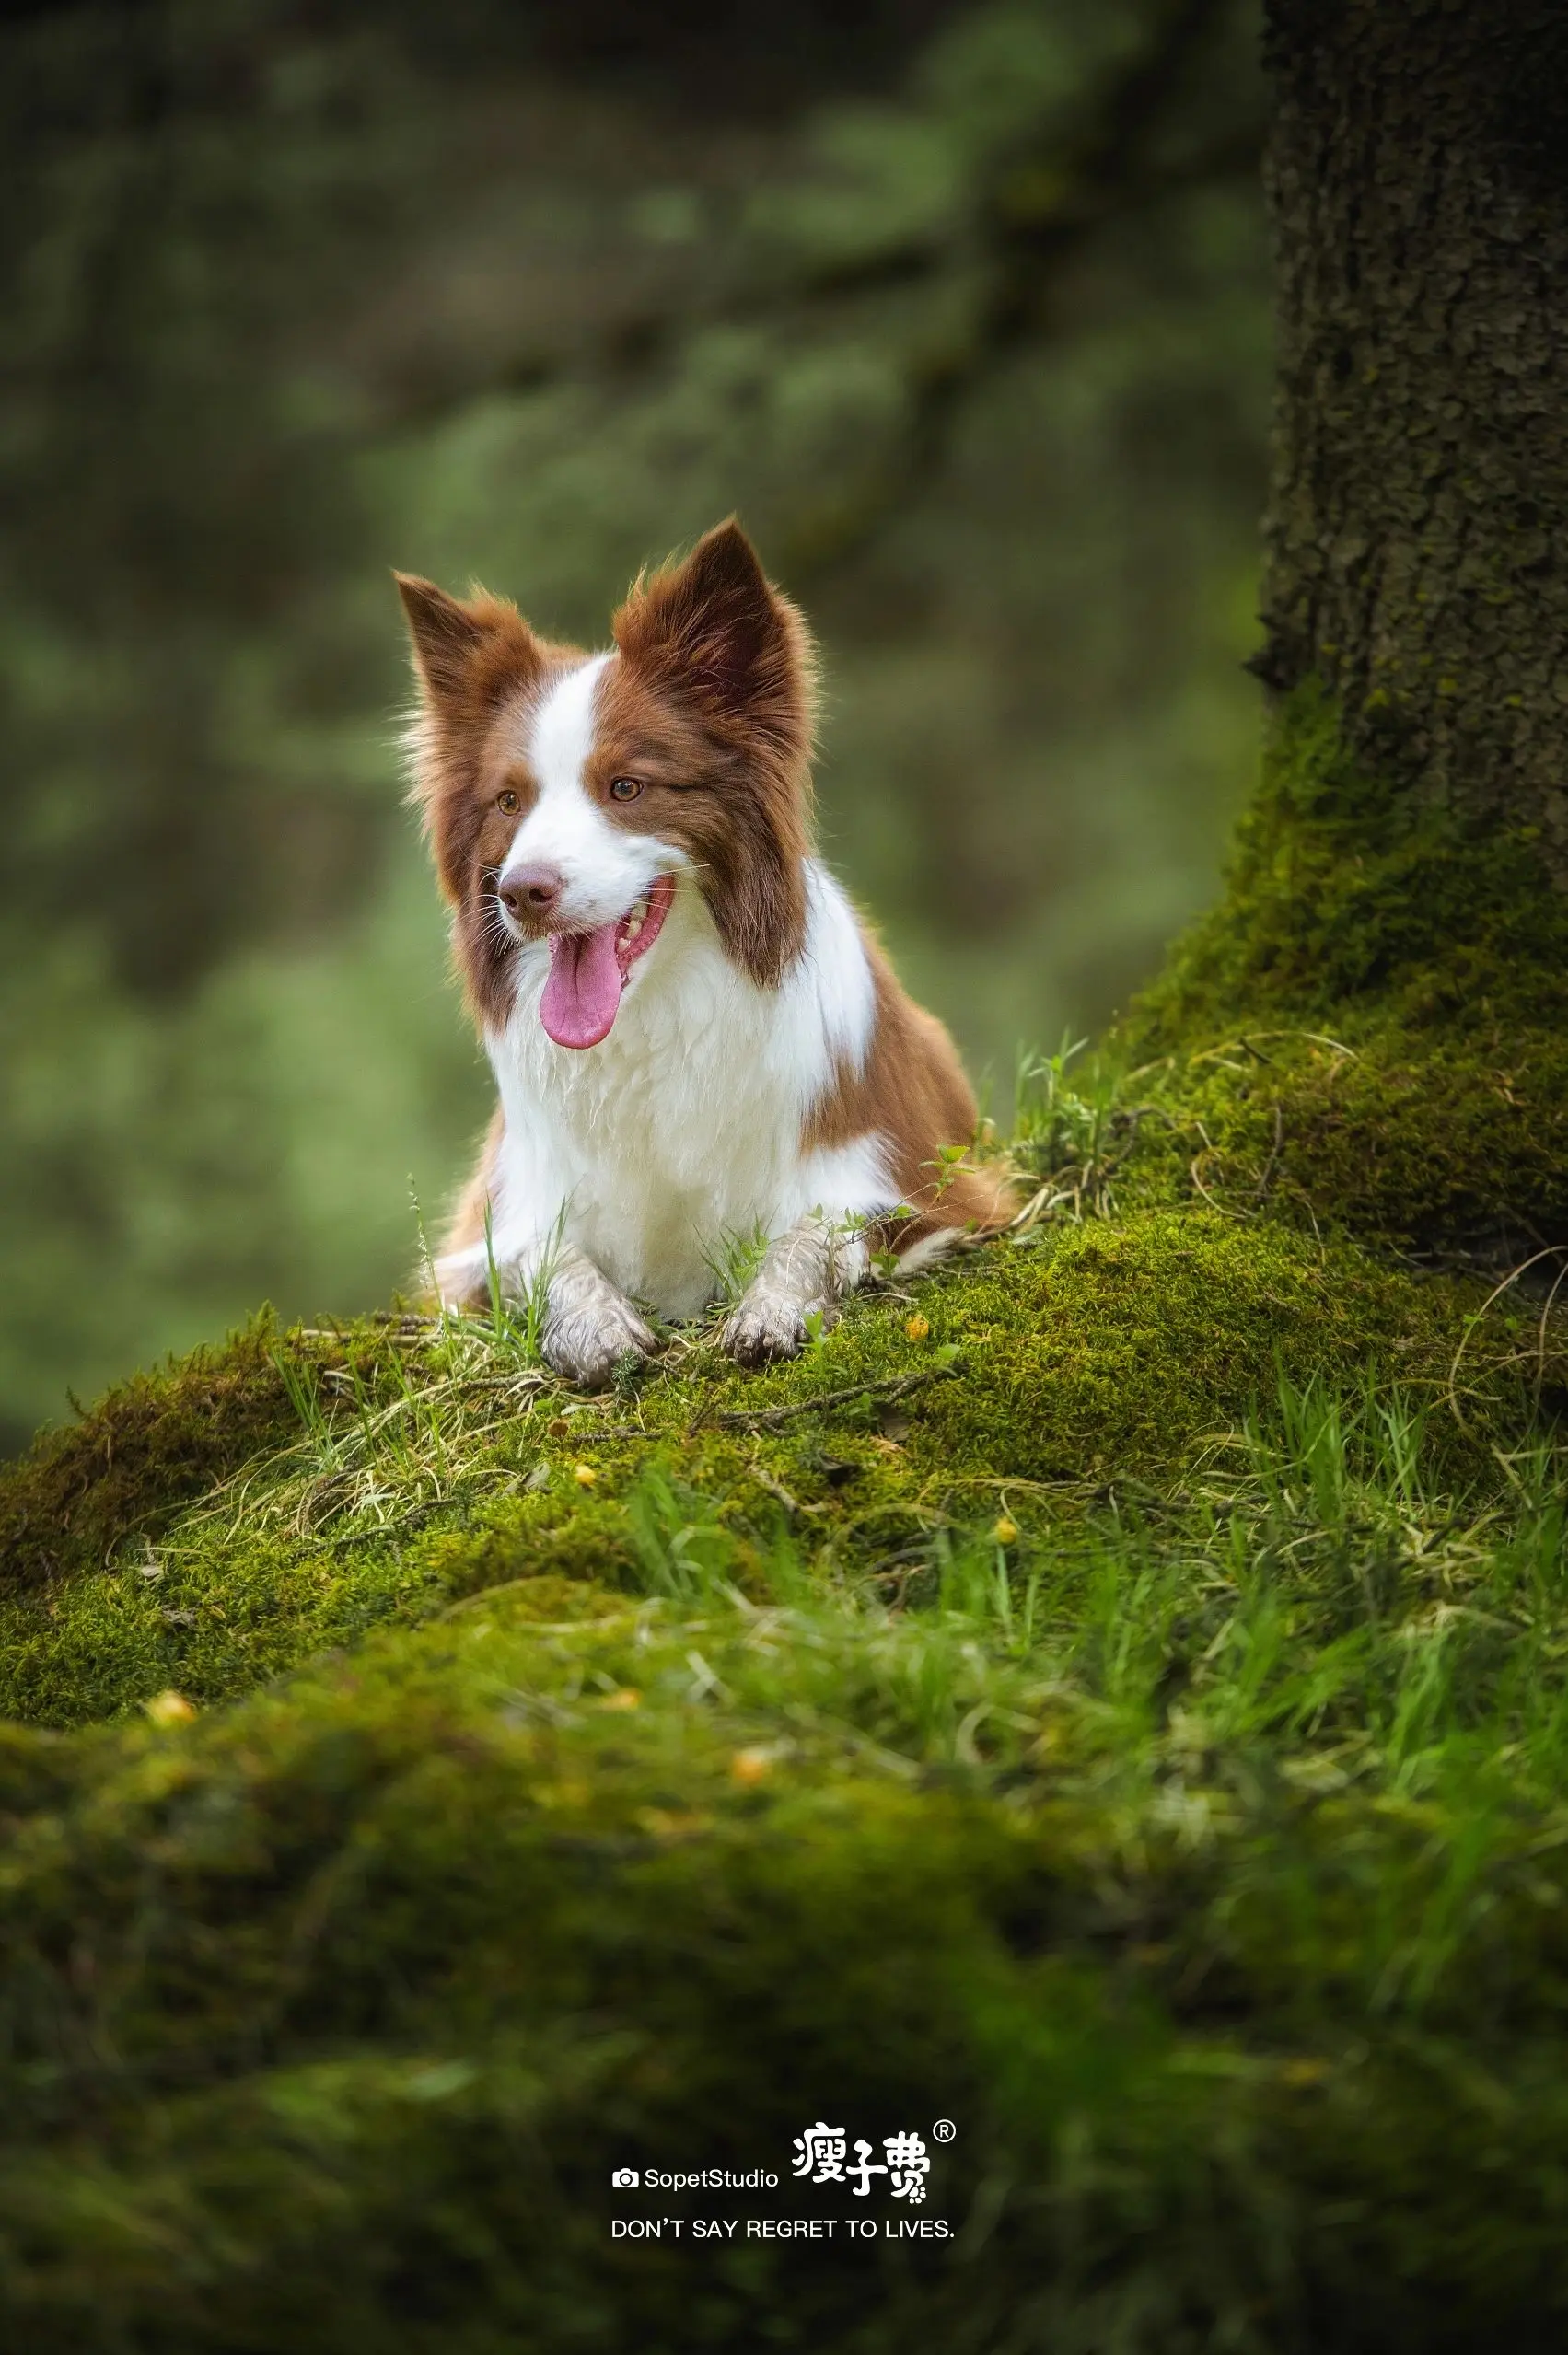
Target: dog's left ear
713	631
464	653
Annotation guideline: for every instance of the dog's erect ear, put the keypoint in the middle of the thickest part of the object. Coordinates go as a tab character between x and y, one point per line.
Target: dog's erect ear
713	630
463	651
447	635
714	636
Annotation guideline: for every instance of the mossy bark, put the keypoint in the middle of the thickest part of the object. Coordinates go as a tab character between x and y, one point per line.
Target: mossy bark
1399	883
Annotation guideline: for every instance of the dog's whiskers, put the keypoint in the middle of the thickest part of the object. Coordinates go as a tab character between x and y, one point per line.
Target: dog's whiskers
496	931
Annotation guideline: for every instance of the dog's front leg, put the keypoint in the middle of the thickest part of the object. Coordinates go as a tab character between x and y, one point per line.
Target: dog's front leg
802	1275
589	1325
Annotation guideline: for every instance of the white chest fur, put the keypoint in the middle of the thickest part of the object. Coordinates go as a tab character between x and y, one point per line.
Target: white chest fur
682	1128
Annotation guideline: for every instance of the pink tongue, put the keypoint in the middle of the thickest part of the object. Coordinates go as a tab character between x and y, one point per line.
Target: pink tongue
584	988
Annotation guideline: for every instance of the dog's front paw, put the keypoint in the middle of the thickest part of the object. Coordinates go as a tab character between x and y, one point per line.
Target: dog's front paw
586	1345
769	1325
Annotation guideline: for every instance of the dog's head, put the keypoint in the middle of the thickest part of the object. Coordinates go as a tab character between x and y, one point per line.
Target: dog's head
568	797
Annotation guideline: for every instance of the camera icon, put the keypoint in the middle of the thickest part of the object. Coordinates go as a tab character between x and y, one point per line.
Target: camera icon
625	2179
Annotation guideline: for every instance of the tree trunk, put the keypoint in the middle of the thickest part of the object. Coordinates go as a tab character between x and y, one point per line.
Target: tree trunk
1397	920
1417	540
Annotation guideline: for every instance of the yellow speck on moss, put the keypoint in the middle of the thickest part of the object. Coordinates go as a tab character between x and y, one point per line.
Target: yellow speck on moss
626	1697
584	1475
170	1708
1005	1530
917	1330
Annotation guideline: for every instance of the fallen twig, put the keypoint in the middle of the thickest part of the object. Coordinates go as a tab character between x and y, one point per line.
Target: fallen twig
769	1418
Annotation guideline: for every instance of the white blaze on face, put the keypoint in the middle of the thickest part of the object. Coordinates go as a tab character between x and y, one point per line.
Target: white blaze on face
604	867
613	886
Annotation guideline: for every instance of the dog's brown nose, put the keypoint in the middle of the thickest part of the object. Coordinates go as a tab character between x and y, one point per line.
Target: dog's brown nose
531	891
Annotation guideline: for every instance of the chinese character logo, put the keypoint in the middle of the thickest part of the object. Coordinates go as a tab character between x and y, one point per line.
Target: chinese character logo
823	2148
821	2152
909	2164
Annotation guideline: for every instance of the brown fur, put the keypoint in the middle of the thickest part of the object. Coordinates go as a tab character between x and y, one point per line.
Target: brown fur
912	1091
716	682
481	669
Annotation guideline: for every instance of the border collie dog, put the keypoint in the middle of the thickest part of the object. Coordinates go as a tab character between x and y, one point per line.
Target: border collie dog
694	1038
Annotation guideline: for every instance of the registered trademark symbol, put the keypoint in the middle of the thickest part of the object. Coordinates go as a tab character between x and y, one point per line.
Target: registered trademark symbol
945	2131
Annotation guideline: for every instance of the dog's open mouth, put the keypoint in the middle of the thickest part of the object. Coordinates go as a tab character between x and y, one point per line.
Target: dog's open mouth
587	970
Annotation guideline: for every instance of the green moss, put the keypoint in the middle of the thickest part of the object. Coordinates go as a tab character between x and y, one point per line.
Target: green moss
129	1463
1050	1372
132	1459
1191	1847
1427	954
1343	894
329	2019
1121	1348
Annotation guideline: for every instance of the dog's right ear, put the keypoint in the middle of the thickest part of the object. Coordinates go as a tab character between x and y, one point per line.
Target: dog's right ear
464	653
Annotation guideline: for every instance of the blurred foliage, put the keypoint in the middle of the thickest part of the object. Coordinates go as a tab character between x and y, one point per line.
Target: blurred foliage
962	308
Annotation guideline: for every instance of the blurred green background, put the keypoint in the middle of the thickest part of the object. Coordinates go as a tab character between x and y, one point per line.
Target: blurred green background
963	307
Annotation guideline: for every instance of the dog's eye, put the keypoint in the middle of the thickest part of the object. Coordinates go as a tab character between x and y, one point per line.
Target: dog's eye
509	802
625	788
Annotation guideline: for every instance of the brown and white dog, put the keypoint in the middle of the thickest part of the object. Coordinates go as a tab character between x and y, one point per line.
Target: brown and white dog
693	1036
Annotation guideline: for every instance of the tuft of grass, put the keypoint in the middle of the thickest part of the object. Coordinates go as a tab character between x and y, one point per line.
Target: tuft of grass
1071	1133
732	1263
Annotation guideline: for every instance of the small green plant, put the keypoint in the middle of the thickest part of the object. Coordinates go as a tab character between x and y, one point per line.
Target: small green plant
427	1256
951	1159
517	1307
302	1386
733	1260
1071	1133
500	1323
881	1259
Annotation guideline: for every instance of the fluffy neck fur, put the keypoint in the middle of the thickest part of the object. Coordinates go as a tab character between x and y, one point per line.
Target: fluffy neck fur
682	1132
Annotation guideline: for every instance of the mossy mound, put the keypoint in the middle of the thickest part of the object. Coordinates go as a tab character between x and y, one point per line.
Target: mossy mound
131	1461
1108	1699
421	1468
329	2017
1375	1017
